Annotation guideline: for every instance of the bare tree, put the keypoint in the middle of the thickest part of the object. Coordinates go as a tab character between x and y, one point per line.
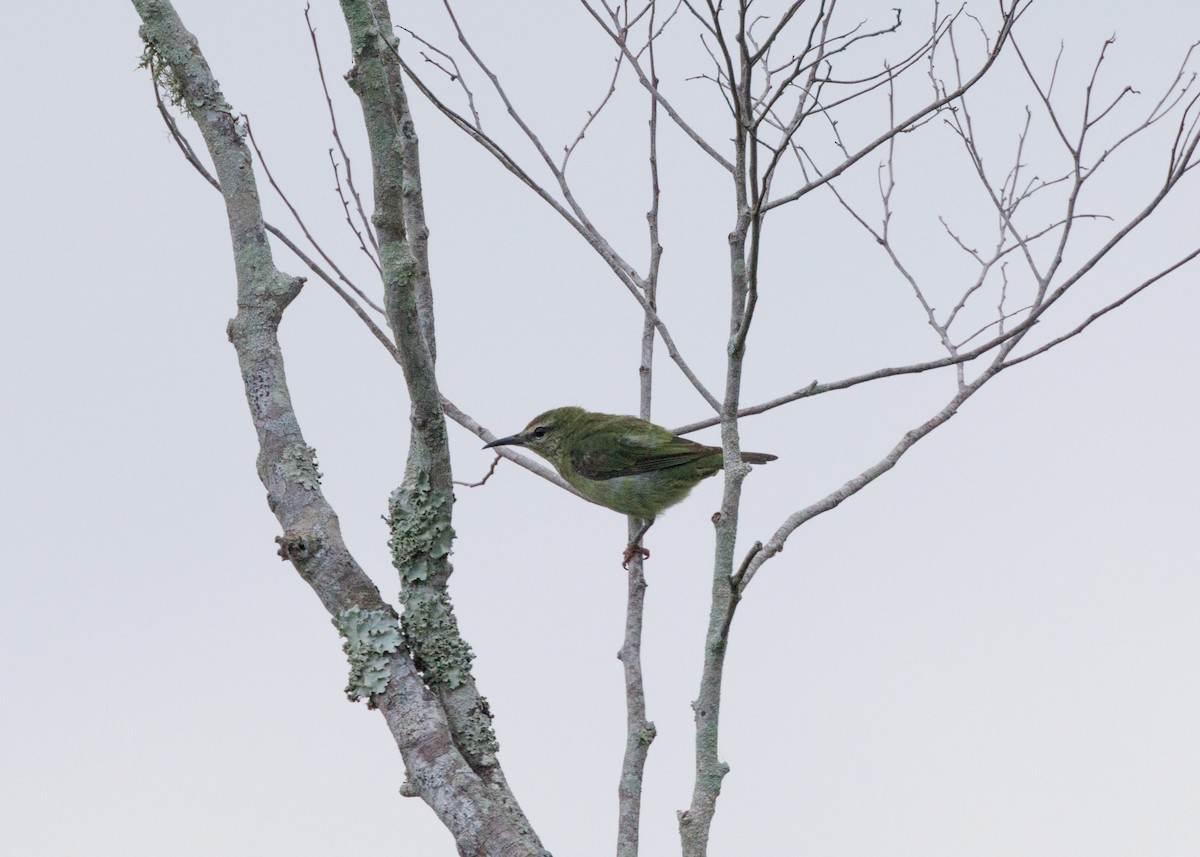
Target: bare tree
810	94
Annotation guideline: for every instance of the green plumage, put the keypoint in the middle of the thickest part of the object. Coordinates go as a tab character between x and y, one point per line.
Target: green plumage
624	463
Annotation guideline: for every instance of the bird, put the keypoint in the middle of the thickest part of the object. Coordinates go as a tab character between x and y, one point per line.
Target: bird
624	463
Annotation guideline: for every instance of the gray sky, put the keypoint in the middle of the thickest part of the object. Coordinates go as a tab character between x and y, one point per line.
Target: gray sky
991	651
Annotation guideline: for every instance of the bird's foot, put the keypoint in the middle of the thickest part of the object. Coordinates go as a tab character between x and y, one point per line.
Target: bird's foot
631	551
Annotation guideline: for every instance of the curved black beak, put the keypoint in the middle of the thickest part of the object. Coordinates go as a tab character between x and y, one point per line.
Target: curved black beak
513	440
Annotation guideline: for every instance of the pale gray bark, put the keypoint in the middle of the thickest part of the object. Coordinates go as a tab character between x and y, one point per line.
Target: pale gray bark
442	765
639	731
420	513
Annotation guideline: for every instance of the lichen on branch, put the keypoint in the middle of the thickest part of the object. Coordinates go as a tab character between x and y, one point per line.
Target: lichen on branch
419	520
371	638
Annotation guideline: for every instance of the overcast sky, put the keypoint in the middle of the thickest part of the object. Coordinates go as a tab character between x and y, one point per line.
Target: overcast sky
991	651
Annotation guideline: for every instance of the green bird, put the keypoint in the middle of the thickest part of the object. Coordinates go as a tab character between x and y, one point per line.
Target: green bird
624	463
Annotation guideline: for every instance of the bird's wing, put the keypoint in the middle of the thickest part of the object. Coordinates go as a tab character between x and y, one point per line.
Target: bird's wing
638	447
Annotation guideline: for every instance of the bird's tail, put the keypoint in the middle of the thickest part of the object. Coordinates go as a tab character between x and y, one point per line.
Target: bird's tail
758	457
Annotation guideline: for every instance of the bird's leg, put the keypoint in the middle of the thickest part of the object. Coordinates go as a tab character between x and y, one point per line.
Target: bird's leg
635	547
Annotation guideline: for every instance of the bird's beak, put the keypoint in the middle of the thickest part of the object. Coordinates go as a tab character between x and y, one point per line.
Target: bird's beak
513	440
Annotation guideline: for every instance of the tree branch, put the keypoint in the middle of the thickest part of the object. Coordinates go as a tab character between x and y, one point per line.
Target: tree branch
618	37
1010	17
639	731
1013	361
834	499
312	537
420	508
337	138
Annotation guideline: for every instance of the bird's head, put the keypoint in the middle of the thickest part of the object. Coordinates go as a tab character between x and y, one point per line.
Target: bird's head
547	434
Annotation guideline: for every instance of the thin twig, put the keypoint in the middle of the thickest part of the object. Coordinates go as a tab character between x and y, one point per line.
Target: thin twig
592	114
470	424
300	222
1104	311
337	186
639	731
362	214
1002	315
486	476
453	73
816	388
618	38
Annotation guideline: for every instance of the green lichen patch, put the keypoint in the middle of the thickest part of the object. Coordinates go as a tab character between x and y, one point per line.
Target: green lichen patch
477	735
431	632
166	80
419	521
398	261
299	464
371	637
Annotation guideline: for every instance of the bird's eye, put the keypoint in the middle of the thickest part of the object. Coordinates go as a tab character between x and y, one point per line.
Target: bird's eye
540	431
